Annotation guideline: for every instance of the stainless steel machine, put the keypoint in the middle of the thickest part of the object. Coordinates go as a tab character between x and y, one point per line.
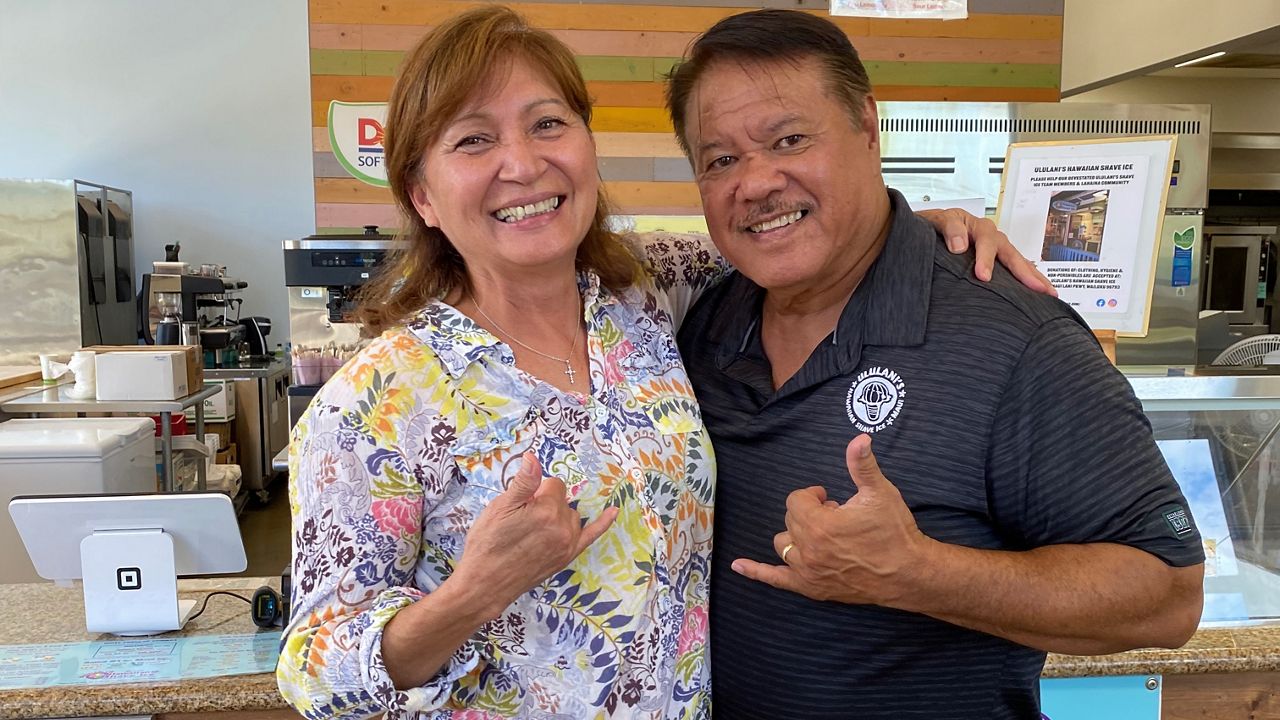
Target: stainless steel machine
166	299
66	268
323	274
944	151
1240	270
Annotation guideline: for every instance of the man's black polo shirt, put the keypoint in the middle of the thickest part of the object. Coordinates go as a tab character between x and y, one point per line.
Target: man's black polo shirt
995	414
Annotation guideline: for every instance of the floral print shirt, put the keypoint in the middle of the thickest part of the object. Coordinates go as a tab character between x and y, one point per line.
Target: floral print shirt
400	452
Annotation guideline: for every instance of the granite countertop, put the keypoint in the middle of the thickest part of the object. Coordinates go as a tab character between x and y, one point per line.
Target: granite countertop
1254	648
43	612
36	613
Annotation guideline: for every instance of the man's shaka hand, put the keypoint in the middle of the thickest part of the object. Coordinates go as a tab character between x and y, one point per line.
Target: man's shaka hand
866	551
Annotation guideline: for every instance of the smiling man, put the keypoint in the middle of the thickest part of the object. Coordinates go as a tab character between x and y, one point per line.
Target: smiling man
1023	506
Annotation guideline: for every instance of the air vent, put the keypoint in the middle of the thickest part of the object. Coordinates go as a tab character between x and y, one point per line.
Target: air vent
1041	125
918	165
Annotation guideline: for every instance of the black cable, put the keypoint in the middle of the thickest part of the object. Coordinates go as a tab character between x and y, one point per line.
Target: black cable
218	592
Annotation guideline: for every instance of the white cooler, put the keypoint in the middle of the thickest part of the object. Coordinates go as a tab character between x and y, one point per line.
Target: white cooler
68	456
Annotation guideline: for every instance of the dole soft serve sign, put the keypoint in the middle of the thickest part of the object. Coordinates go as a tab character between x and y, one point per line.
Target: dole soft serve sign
355	132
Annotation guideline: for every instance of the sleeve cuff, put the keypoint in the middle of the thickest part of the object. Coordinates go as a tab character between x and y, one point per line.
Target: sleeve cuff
430	696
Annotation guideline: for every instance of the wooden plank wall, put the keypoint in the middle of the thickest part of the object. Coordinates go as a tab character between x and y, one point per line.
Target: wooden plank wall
1006	51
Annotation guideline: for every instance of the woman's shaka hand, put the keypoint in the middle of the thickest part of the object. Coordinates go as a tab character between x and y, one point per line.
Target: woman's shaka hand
527	534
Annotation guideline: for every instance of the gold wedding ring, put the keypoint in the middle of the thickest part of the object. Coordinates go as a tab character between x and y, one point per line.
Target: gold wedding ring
786	550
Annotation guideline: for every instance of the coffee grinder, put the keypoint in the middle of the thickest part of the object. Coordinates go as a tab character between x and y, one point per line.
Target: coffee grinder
169	328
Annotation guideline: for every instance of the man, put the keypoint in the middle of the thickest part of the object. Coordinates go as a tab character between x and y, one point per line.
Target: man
1023	506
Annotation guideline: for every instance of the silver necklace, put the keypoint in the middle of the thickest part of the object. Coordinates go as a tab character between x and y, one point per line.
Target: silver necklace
568	368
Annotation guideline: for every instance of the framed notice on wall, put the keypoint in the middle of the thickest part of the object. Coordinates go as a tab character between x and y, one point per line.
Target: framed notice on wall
1088	214
906	9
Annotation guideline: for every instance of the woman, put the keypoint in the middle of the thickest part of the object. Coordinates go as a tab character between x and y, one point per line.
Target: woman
437	571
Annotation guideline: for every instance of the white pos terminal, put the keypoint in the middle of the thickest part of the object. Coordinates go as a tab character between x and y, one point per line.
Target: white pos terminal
129	550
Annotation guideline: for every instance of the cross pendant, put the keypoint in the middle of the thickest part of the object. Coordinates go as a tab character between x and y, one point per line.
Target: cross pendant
568	370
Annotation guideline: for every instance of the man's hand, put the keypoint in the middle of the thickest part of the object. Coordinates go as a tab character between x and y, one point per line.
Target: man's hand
989	245
864	551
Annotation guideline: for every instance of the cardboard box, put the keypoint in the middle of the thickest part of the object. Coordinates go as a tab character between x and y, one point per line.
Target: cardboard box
155	375
229	456
222	406
226	433
195	358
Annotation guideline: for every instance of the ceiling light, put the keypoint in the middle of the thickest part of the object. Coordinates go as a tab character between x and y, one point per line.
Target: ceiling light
1210	56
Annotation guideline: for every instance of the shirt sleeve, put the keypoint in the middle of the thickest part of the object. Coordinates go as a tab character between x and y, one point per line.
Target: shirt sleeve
357	499
1072	458
679	268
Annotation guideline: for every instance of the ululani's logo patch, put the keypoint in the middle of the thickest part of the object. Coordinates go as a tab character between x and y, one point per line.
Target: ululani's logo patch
875	399
1178	521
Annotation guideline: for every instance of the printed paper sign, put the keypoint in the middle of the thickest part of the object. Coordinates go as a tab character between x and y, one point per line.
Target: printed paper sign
928	9
112	662
1088	214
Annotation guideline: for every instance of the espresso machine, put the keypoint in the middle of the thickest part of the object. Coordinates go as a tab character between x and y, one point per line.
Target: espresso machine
323	274
172	311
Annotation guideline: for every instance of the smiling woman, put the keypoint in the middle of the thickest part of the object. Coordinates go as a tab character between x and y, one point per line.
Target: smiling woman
438	571
444	80
512	181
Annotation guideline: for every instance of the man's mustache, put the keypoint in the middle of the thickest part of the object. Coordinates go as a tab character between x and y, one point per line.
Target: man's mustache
771	209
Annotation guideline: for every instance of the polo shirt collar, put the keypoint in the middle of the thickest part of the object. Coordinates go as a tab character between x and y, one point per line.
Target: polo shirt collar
898	286
889	307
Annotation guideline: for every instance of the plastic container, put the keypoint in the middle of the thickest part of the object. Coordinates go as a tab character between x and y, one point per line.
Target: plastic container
177	424
308	369
68	456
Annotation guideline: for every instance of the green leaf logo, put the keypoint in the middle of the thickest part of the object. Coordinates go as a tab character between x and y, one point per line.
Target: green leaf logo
1184	239
356	133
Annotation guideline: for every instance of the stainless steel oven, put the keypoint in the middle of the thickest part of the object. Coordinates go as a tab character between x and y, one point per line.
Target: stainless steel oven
1239	267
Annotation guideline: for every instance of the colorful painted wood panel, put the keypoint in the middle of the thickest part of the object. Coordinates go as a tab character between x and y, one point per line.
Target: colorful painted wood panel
1006	51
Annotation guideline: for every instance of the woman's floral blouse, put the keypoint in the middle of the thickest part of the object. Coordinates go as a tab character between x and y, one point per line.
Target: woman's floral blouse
399	453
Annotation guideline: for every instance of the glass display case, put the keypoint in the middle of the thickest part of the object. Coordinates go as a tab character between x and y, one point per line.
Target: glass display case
1219	435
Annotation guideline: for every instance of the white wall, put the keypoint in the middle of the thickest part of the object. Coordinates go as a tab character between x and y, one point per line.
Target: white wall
1106	40
1244	102
201	108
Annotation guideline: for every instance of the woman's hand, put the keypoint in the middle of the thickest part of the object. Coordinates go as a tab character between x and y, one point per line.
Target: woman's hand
524	536
989	245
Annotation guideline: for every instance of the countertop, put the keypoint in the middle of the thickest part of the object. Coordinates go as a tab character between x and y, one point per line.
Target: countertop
1211	650
34	613
54	399
43	612
20	391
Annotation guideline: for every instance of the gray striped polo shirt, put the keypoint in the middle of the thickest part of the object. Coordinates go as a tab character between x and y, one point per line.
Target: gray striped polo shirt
996	415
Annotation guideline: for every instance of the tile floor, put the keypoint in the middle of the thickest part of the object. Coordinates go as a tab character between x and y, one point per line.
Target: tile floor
265	531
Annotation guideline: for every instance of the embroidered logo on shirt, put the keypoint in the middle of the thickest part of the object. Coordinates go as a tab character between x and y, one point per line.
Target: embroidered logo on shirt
1179	521
875	399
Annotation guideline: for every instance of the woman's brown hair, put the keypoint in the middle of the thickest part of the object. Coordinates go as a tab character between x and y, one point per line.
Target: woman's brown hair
437	79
